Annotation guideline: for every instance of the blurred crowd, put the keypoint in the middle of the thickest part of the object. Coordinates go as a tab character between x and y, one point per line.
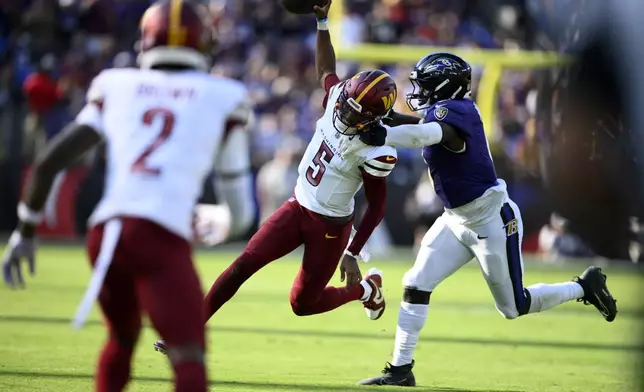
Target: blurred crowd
51	49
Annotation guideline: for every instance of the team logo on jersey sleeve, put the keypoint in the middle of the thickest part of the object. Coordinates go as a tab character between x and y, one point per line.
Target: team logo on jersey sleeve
440	112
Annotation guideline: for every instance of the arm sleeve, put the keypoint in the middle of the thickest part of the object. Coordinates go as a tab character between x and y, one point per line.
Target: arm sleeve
413	136
376	193
92	113
330	80
375	169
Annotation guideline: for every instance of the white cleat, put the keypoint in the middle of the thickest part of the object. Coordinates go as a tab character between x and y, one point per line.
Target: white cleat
374	306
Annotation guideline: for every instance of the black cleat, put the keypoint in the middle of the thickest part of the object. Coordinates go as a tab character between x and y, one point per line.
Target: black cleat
593	281
161	347
400	376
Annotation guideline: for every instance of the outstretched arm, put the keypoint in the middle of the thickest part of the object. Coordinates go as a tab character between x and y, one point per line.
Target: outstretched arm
324	53
63	150
420	135
394	118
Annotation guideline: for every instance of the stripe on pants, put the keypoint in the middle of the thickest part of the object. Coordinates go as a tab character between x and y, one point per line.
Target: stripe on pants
513	253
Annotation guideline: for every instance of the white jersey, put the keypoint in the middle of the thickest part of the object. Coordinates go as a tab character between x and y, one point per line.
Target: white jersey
163	132
328	181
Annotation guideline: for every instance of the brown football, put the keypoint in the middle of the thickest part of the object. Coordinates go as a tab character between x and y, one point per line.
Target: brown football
301	7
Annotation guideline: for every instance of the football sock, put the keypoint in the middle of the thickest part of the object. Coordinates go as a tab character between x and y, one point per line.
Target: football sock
411	319
190	377
546	296
113	370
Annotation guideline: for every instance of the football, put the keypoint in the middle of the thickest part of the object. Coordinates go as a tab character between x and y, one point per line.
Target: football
301	7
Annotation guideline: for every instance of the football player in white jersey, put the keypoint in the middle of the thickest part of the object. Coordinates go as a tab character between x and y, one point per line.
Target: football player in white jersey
320	213
164	124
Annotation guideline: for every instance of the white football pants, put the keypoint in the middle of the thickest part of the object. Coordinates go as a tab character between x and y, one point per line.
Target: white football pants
497	247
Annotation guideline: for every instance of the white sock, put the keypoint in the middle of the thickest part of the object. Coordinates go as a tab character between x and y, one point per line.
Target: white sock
367	290
411	319
546	296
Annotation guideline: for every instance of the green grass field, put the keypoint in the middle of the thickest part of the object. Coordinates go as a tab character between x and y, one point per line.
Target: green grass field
257	344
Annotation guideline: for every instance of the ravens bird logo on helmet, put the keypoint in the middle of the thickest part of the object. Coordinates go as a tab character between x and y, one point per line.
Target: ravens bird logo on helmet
437	77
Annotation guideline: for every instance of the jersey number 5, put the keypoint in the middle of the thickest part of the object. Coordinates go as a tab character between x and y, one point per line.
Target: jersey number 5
314	173
140	166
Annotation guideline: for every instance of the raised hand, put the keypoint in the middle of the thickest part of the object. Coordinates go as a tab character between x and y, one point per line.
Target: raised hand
322	12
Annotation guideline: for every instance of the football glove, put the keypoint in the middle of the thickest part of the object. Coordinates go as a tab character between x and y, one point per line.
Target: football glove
374	136
18	248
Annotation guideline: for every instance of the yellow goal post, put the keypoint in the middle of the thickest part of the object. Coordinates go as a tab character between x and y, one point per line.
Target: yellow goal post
493	61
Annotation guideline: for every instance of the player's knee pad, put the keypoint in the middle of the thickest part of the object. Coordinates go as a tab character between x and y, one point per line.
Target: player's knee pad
413	296
184	353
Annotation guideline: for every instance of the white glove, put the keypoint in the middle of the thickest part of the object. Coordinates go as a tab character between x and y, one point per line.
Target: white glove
18	248
364	255
211	223
350	145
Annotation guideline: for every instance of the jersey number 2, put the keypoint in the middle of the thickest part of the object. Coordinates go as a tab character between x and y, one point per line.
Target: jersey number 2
314	173
140	165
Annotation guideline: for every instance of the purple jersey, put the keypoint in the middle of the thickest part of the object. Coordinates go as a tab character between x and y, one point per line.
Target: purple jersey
460	177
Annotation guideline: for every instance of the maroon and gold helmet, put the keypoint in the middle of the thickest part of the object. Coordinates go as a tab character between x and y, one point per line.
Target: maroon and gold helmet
175	33
364	99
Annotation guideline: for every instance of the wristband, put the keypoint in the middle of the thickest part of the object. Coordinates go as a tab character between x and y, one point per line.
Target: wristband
357	257
27	215
323	24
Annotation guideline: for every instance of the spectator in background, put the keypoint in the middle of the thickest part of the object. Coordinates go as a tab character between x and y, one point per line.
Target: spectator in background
44	95
40	21
556	242
276	179
271	52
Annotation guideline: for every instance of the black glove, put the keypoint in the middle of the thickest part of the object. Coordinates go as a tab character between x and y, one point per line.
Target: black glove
388	119
375	135
393	119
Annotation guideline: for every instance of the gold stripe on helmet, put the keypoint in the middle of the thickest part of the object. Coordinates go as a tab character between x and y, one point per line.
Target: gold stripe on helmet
176	32
370	86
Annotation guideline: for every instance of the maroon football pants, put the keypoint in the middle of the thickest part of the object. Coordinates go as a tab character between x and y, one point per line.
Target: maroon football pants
290	226
151	272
